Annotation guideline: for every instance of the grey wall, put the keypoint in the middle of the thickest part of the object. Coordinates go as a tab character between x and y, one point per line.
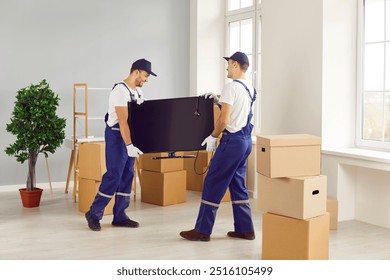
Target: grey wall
88	41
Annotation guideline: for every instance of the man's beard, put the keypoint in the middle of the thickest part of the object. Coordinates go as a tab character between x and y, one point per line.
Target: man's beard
139	83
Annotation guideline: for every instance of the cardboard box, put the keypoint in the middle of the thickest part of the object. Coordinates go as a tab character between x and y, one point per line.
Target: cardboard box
195	181
161	165
91	160
250	176
196	169
163	189
87	191
332	206
202	160
195	177
217	113
296	197
226	197
288	155
285	238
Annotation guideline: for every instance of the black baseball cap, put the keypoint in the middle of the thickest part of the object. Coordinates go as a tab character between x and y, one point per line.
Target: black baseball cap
240	57
143	64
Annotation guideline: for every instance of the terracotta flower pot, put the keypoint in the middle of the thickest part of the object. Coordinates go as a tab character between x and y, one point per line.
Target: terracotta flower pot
32	198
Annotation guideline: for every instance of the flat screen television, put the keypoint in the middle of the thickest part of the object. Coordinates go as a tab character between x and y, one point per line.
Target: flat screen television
171	125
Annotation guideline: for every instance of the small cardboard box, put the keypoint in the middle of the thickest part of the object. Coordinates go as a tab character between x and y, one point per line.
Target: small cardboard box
161	165
285	238
332	206
163	189
91	160
87	191
296	197
288	155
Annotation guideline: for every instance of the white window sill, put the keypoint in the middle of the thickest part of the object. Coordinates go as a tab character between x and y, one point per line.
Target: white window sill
360	154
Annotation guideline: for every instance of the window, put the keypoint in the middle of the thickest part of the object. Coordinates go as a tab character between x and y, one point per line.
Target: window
243	33
239	4
374	74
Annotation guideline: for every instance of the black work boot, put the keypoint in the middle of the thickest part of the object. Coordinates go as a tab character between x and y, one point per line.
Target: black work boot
92	223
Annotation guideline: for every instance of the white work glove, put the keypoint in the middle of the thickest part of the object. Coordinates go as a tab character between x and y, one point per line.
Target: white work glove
133	151
211	95
211	143
140	101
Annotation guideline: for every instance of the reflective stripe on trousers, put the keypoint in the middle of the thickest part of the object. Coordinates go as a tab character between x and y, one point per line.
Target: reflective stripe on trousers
117	180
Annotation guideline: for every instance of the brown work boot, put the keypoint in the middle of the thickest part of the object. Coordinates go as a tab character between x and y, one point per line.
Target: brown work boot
193	235
244	235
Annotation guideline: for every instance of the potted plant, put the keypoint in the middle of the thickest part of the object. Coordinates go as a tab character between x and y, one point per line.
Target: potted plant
38	129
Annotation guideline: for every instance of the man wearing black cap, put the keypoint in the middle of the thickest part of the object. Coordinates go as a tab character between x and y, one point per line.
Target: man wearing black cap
120	152
228	165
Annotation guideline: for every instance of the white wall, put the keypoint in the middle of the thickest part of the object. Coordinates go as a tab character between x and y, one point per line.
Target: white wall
291	66
90	41
207	66
339	73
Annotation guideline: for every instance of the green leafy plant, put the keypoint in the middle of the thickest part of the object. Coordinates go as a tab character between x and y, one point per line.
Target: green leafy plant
36	126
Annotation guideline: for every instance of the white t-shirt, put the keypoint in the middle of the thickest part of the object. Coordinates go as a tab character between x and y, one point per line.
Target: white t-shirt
119	96
237	96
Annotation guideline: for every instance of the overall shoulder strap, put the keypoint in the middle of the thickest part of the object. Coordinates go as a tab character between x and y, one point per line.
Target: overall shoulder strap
249	93
131	94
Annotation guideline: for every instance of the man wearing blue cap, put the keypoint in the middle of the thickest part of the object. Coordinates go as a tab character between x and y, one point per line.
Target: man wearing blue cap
228	165
120	152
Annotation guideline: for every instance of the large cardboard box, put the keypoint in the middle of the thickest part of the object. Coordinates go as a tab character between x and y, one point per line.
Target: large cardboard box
286	238
91	160
288	155
296	197
87	191
161	165
332	206
163	189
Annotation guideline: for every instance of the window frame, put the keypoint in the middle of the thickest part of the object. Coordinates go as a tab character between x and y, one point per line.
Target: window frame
254	13
359	141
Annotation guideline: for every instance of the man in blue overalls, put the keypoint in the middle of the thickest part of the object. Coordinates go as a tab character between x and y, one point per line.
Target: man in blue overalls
120	152
228	166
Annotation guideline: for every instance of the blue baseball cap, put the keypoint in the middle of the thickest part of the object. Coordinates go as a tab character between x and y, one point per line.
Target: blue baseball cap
240	57
143	64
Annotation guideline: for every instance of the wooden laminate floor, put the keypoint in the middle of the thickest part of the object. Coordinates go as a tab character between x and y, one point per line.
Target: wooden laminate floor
58	231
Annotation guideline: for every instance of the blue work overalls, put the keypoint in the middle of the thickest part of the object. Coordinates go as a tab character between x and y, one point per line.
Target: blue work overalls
228	169
119	176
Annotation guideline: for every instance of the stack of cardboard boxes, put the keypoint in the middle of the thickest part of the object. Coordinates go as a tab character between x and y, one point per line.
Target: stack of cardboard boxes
293	195
91	166
163	181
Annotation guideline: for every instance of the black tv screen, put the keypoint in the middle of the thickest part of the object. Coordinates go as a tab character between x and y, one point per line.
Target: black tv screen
170	125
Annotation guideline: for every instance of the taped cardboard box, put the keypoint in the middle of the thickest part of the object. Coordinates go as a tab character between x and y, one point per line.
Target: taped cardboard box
288	155
161	165
285	238
91	160
87	191
296	197
163	189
